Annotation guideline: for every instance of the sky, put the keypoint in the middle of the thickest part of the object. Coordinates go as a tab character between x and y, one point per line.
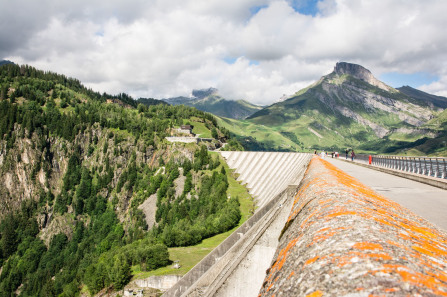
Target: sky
257	50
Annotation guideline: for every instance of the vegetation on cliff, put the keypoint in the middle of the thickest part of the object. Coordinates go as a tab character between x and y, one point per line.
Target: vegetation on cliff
75	166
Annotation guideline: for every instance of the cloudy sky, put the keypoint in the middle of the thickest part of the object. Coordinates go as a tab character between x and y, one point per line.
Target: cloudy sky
256	50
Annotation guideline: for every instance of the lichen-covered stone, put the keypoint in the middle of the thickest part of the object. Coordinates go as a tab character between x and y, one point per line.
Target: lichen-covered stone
344	239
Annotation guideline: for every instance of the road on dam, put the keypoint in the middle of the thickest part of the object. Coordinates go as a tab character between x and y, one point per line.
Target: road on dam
427	201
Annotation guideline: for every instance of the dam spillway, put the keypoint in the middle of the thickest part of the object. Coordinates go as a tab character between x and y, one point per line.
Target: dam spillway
266	174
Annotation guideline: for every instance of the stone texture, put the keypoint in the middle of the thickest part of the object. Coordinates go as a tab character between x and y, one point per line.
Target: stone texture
344	239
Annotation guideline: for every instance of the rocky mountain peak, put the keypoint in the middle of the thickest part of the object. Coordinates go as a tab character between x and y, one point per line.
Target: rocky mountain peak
202	93
361	73
355	70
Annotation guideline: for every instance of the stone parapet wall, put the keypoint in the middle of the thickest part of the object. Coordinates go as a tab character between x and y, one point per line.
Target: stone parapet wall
163	282
343	239
182	139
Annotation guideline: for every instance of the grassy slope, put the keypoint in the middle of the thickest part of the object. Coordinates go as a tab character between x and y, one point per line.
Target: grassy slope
262	133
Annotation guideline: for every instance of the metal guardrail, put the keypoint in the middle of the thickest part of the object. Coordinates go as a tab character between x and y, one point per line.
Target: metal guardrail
435	167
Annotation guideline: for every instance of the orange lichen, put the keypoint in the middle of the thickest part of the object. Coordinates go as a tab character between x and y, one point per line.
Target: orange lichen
283	254
403	246
429	248
415	278
310	261
340	213
317	293
367	246
389	290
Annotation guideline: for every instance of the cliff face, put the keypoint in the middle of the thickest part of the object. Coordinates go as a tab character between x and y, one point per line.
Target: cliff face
28	172
360	72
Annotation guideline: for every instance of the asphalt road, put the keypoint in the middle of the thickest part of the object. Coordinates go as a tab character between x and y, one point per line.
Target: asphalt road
427	201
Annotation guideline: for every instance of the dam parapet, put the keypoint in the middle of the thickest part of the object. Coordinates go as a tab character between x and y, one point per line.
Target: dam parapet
343	239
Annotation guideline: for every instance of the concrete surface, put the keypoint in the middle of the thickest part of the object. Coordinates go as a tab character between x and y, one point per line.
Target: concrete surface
427	201
266	173
246	280
422	178
273	178
163	282
344	239
201	276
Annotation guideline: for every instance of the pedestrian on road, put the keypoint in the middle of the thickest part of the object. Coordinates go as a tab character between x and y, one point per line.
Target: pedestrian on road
352	155
347	151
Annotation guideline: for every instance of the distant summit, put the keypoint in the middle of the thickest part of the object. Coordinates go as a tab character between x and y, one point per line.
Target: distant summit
4	62
359	72
349	107
429	99
202	93
209	100
355	70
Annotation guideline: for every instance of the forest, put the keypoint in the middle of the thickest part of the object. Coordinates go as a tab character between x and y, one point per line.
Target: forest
102	156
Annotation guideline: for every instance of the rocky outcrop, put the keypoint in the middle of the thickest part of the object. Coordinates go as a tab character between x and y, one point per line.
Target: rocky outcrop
361	73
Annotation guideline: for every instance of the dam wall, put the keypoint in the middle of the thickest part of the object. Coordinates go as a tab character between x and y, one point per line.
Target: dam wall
263	170
343	239
266	174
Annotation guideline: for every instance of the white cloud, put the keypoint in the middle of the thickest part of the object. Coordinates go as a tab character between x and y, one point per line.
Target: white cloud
163	48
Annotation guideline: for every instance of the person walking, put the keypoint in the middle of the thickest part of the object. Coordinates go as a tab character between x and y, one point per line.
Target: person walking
347	151
352	155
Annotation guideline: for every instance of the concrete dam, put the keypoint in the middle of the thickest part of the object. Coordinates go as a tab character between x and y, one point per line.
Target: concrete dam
324	234
237	266
266	174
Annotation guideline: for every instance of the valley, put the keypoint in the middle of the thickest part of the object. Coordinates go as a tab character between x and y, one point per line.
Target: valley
94	195
75	166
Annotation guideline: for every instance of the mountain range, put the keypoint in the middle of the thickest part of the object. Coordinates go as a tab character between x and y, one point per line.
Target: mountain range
349	108
209	100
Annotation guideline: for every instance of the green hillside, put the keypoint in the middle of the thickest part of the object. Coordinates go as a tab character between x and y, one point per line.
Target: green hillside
210	101
92	192
348	108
